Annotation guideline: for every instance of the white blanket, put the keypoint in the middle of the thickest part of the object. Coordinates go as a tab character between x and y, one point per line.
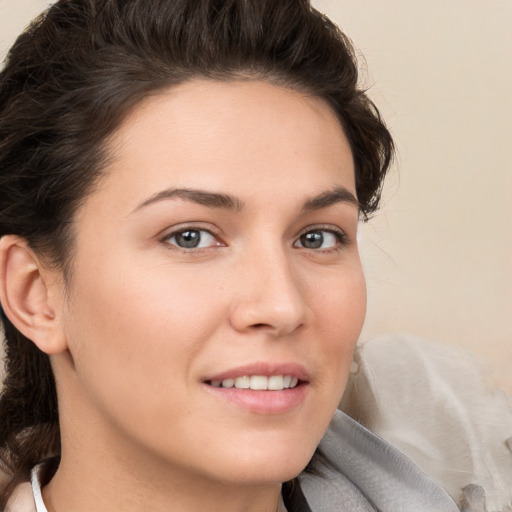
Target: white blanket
431	401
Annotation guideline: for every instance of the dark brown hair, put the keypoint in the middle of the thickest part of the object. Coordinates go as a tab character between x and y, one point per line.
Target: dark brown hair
68	82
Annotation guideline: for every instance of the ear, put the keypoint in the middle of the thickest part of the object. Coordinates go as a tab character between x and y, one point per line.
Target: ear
28	300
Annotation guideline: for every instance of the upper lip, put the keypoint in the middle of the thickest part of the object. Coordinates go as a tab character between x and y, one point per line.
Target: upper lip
263	368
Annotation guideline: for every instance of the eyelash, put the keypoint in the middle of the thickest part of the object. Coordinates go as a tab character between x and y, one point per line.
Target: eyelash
341	238
165	239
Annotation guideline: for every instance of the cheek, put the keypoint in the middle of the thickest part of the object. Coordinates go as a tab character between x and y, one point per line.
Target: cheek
134	350
339	300
340	313
136	330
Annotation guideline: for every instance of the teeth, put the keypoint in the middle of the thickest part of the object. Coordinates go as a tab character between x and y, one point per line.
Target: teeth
276	382
242	383
258	382
228	383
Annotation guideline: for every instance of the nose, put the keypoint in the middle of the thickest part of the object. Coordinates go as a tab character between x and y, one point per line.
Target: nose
269	296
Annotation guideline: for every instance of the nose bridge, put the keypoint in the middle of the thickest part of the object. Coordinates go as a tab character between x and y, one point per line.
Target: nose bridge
270	295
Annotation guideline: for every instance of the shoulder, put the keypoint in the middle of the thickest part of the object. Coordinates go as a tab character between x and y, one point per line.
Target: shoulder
27	495
22	499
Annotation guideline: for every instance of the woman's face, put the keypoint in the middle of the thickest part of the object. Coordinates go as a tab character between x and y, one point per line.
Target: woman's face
217	255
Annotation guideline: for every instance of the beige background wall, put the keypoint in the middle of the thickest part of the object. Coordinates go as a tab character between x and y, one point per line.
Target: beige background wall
438	256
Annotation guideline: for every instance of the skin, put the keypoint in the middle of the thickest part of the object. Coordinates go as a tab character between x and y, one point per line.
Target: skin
143	322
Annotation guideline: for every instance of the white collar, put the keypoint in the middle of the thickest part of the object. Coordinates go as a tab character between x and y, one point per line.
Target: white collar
36	488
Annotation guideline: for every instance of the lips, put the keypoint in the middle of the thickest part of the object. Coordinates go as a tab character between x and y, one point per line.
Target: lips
263	388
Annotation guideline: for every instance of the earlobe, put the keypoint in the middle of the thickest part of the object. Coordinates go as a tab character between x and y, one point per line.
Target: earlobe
25	297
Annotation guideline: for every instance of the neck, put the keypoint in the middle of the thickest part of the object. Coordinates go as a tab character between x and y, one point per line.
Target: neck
102	473
79	488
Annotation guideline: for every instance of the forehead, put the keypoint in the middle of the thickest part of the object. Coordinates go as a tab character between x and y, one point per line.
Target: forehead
246	136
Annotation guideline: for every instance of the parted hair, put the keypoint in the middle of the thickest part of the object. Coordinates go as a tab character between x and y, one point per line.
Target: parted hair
69	81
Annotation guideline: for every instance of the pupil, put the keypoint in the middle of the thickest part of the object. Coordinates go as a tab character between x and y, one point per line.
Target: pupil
312	240
188	239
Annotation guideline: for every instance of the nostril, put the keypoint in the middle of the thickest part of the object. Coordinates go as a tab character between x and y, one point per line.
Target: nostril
261	326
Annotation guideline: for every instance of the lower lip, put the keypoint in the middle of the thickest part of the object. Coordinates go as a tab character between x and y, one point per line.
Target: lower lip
263	402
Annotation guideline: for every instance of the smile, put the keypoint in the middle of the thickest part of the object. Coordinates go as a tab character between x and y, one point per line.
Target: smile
258	382
264	388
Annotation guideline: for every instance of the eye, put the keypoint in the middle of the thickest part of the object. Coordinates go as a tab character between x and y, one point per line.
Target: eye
320	239
192	239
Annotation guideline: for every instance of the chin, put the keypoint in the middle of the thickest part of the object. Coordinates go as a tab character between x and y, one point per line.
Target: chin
267	453
266	465
272	473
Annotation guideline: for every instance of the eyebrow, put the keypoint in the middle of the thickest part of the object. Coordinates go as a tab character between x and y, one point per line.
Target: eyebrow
203	197
229	202
329	198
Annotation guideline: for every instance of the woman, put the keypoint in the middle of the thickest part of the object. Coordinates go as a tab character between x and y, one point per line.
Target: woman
181	184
